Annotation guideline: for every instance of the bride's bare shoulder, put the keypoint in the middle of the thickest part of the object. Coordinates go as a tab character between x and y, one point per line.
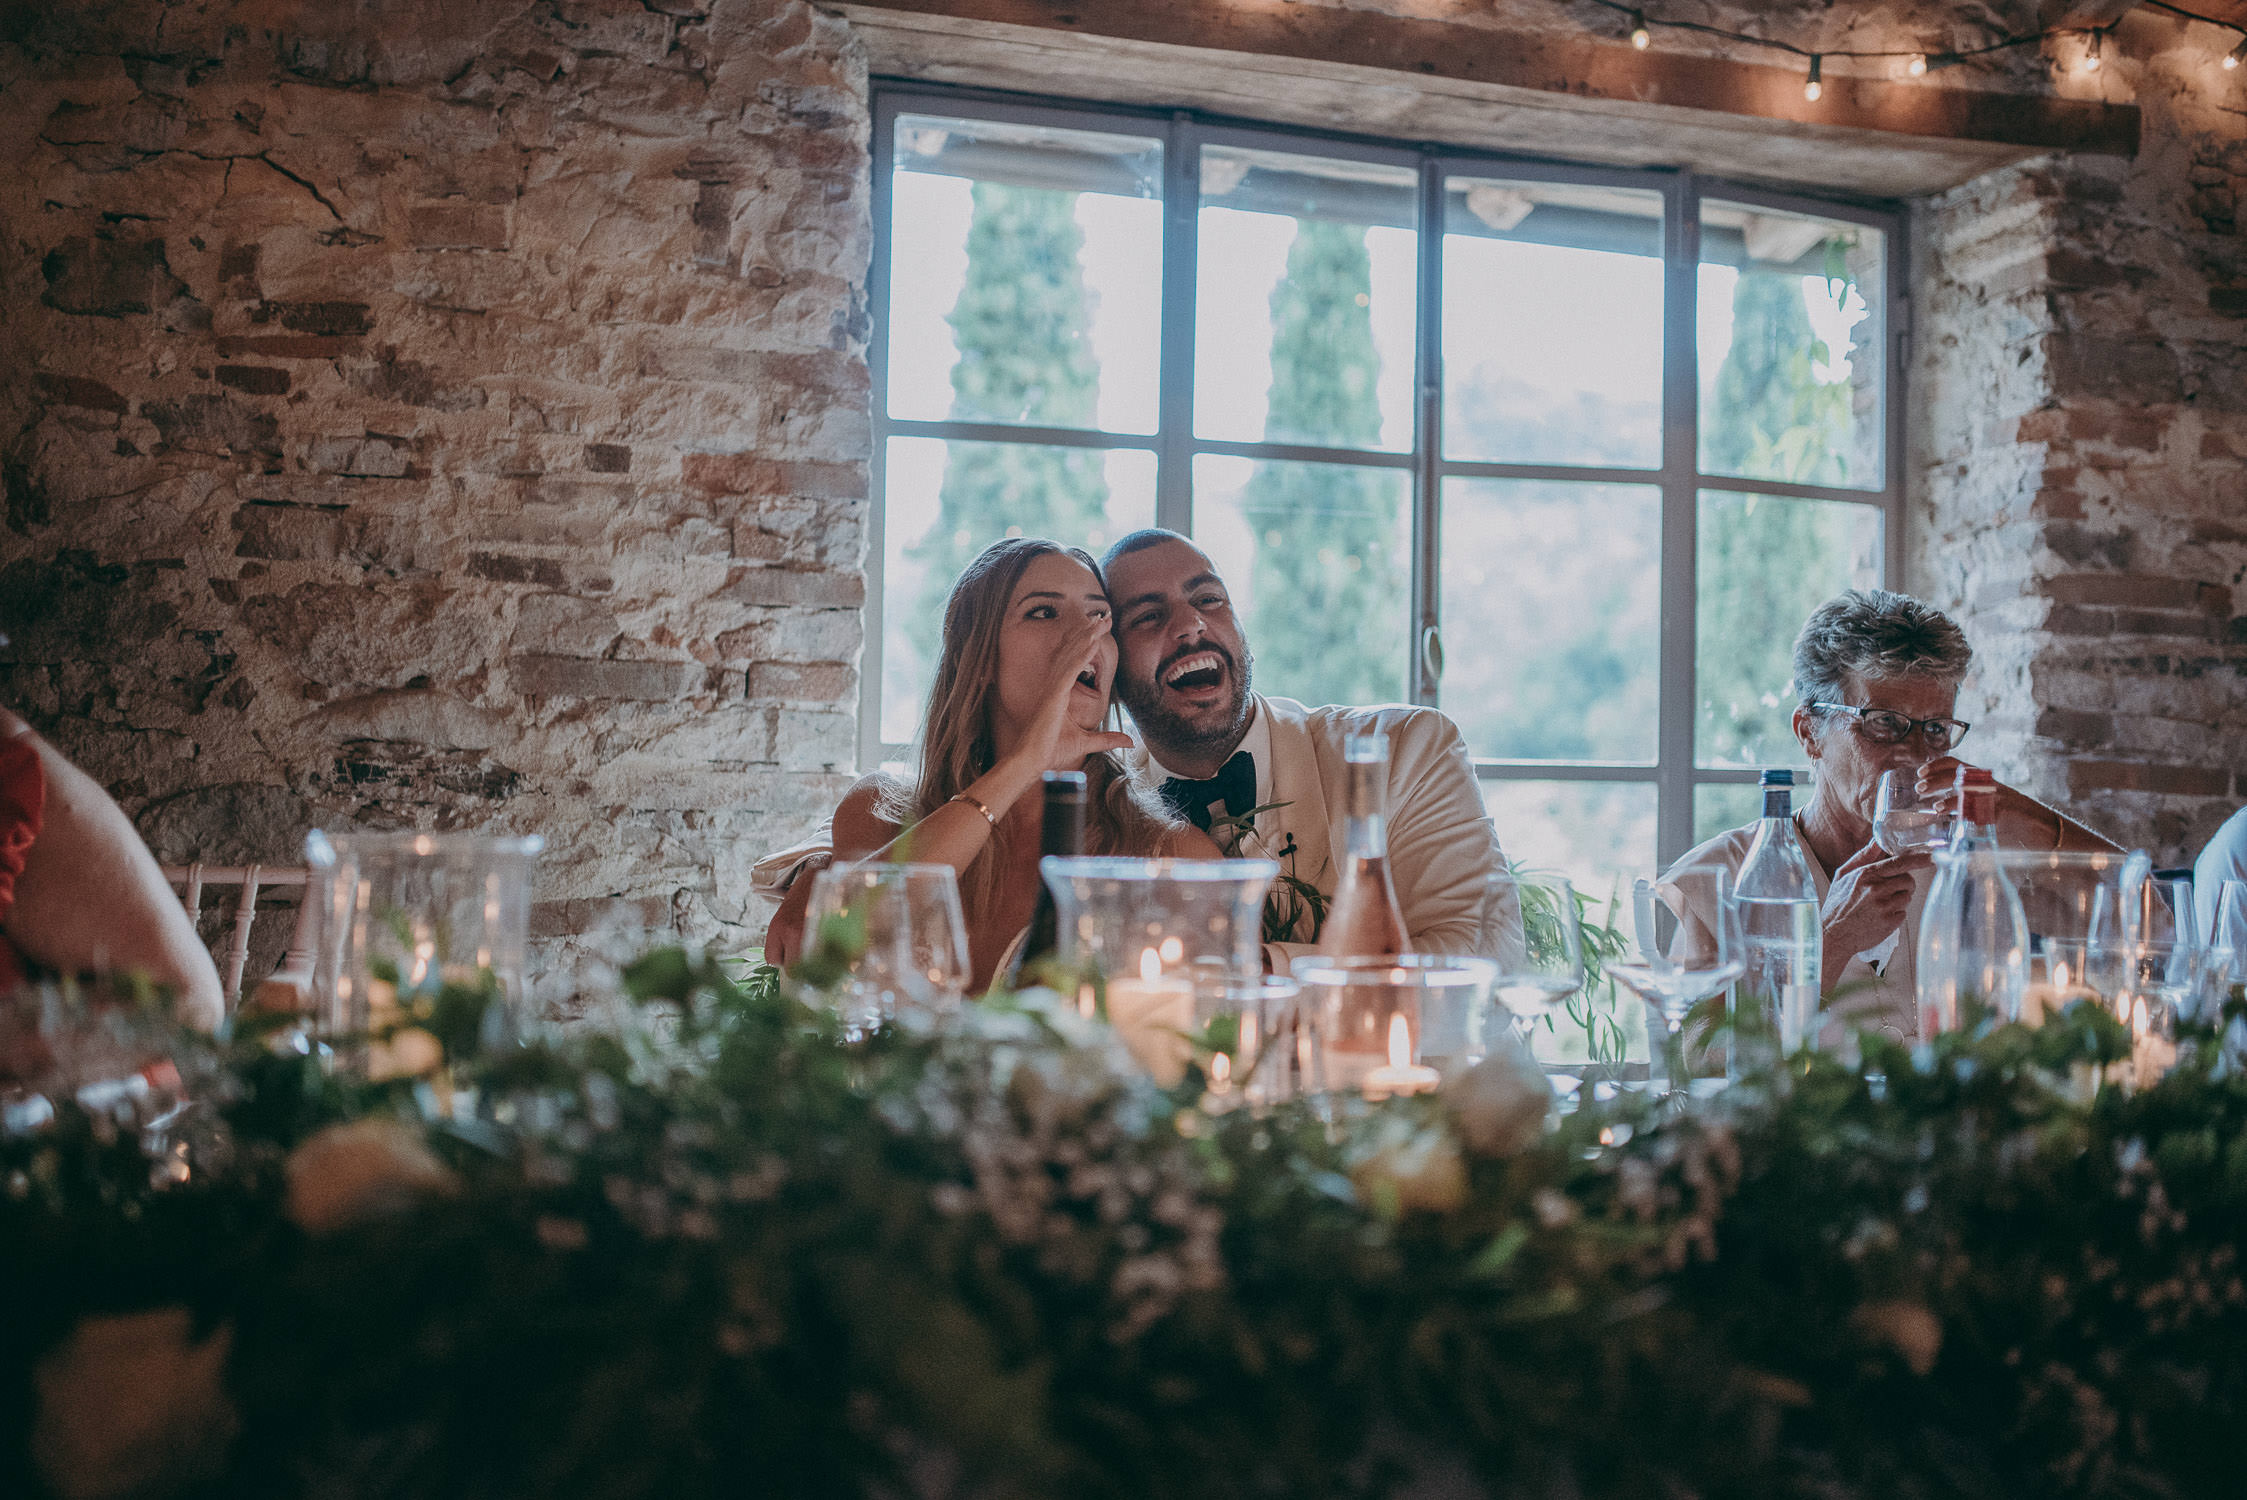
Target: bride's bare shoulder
864	819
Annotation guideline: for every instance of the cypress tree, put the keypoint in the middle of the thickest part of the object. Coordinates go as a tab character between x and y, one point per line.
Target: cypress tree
1329	576
1022	326
1766	562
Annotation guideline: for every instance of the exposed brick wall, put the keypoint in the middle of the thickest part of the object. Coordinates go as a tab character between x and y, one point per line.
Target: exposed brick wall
441	414
2081	395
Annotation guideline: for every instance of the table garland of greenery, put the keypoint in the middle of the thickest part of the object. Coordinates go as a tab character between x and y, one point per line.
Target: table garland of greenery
716	1250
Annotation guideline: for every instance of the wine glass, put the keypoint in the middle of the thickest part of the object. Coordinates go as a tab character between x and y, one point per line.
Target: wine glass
1904	820
1689	947
1539	945
898	934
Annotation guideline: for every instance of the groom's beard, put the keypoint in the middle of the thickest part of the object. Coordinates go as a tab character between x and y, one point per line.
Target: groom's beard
1163	728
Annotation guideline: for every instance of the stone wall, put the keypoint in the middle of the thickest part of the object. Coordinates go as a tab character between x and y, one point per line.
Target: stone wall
441	413
2081	416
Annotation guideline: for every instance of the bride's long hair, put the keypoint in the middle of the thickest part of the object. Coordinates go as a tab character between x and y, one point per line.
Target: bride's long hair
1123	814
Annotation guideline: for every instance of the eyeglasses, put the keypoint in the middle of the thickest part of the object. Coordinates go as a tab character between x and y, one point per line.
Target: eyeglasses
1885	726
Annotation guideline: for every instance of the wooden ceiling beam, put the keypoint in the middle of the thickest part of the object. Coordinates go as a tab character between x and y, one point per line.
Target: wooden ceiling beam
1583	68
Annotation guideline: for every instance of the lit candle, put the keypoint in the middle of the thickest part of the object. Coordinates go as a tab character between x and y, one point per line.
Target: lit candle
2042	1001
1401	1075
1151	1015
2151	1053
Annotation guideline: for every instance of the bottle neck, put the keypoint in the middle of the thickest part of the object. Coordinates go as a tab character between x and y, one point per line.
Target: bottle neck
1778	804
1977	819
1365	826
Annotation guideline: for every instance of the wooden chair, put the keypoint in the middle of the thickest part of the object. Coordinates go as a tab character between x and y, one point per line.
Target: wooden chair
296	965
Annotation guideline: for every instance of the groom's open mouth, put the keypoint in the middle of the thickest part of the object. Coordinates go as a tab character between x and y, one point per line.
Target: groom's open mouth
1196	673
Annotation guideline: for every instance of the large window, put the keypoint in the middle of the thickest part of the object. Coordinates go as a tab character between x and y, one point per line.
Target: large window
1567	451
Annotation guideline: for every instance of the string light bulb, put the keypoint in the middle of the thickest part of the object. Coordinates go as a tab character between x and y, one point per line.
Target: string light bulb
2091	59
2236	56
1917	67
1813	87
1641	38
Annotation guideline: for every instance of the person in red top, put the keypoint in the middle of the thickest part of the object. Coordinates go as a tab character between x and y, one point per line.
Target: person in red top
79	891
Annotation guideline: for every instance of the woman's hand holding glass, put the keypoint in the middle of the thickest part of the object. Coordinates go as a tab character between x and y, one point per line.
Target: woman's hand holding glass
1866	902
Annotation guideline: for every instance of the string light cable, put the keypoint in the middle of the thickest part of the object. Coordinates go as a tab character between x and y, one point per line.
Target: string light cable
1918	61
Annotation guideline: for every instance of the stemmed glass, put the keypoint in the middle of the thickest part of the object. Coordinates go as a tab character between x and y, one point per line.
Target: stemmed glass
906	928
1904	820
1539	945
2164	964
1682	960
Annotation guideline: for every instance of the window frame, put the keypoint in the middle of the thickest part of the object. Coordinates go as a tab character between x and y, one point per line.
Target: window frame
1673	772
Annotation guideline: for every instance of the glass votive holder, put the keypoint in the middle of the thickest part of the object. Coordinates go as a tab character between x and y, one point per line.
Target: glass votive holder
1378	1026
1191	922
421	945
1250	1035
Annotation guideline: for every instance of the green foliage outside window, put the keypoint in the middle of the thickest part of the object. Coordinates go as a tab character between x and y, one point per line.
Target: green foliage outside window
1022	326
1329	574
1765	563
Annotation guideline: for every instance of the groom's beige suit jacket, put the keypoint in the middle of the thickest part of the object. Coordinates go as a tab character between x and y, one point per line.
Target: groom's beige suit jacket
1442	847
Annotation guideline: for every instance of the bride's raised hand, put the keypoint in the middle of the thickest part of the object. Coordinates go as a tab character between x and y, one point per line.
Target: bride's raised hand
1075	695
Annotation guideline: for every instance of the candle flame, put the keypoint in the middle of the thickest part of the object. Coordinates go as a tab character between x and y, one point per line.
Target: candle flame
2060	975
1400	1042
1220	1070
1173	949
1150	965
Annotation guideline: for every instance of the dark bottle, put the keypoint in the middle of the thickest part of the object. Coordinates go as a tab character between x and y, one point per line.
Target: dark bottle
1061	834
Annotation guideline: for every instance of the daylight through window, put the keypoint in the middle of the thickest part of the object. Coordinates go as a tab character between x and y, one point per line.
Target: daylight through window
1567	451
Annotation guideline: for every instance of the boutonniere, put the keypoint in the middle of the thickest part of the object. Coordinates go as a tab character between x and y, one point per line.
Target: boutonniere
1294	908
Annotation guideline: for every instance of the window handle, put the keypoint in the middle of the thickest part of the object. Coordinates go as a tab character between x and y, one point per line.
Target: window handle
1431	654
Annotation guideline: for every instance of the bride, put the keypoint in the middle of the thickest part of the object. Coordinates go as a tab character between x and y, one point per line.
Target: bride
1023	688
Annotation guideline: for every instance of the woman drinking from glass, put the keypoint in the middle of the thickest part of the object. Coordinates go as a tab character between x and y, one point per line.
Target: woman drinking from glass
1023	687
1877	676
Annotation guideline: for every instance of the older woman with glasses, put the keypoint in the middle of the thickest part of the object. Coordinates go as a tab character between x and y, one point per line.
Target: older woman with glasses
1877	676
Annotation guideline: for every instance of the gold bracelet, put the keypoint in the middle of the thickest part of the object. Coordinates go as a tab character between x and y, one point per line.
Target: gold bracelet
978	806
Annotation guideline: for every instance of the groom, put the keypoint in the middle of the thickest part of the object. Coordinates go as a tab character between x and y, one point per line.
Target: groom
1220	751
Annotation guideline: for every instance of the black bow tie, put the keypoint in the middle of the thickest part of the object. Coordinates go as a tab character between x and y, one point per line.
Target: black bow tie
1234	785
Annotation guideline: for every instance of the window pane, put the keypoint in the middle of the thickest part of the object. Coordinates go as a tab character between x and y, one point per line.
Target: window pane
1025	275
945	502
1552	618
1306	305
1600	834
1318	558
1790	350
1724	806
1765	564
1552	323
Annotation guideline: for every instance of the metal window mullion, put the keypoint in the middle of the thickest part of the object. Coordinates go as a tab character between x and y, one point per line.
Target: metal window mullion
1624	772
877	468
1425	643
1306	453
1673	823
1009	432
1897	326
1174	421
1790	490
1465	468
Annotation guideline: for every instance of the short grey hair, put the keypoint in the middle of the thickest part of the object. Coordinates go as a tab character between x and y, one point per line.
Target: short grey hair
1875	634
